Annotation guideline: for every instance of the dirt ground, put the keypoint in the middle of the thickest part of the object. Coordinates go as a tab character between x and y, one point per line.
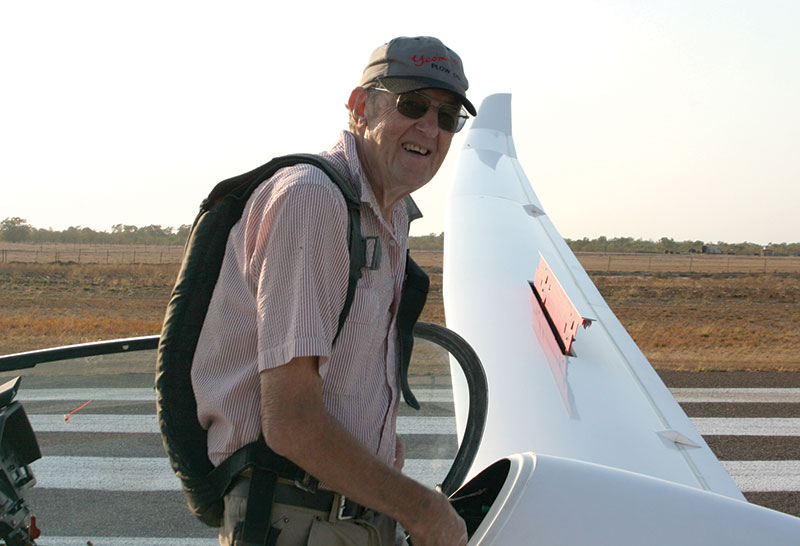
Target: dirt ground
681	320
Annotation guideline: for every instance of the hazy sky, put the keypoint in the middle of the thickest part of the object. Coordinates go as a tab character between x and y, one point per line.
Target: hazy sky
673	118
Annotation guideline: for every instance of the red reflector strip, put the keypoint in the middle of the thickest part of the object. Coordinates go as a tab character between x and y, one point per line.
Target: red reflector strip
552	351
557	305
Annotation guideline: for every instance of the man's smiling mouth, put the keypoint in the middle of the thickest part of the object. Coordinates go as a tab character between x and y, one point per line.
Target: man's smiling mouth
416	149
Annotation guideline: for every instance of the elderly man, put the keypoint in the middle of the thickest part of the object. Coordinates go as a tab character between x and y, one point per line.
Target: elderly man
266	363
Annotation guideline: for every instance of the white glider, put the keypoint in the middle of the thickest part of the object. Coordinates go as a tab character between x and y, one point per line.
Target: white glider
616	460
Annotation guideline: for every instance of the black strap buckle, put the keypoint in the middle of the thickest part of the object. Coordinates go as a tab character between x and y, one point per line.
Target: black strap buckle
309	483
377	252
340	514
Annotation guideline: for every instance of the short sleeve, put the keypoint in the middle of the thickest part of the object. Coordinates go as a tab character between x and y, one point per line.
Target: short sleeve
300	267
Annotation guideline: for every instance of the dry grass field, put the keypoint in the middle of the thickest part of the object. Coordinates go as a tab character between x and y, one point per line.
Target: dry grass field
713	313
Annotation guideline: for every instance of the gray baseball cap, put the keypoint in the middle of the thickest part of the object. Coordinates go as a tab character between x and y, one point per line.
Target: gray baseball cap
410	64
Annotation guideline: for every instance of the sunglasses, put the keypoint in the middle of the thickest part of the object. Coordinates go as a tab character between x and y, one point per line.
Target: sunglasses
413	105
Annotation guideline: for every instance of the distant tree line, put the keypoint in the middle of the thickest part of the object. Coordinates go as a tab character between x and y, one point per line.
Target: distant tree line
427	242
664	245
17	230
668	245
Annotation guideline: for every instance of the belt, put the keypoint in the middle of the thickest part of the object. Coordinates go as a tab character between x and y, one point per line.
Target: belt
323	501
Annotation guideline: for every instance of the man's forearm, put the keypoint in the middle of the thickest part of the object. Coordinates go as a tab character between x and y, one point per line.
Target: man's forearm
297	426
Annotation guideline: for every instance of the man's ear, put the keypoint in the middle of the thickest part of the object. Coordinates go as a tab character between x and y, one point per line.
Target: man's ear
358	102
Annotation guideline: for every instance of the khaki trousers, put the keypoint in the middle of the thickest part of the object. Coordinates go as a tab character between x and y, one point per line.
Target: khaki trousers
301	526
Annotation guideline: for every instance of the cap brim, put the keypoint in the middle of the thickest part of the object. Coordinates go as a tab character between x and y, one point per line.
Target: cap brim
406	85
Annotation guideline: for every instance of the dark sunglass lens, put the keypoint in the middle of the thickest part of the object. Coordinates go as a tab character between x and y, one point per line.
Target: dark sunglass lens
412	106
451	119
447	122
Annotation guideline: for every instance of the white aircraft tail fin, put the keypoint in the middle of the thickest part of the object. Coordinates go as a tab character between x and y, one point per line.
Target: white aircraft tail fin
599	401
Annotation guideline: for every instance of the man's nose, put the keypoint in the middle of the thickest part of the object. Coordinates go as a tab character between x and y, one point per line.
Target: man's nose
429	123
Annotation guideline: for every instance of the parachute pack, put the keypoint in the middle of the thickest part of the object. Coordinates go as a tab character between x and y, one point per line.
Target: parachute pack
183	437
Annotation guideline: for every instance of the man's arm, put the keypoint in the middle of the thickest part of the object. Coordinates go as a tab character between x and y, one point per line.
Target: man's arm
297	425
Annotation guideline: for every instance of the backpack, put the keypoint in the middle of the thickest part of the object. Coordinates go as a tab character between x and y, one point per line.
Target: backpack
183	437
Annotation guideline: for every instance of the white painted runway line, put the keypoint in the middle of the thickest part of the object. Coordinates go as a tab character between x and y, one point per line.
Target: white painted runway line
81	422
426	425
747	426
106	473
762	395
125	541
114	395
766	476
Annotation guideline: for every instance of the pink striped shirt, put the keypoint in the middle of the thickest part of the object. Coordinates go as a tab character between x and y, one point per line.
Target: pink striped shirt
279	294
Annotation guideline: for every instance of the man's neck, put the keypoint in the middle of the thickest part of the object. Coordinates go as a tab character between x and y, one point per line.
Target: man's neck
383	199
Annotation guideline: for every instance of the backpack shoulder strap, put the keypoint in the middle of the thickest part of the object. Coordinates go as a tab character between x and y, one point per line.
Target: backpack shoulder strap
356	242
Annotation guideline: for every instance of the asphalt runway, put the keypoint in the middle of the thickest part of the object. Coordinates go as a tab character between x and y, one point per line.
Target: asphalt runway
761	448
104	476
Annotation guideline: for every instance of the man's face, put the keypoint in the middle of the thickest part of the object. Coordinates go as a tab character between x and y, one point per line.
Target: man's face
402	154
